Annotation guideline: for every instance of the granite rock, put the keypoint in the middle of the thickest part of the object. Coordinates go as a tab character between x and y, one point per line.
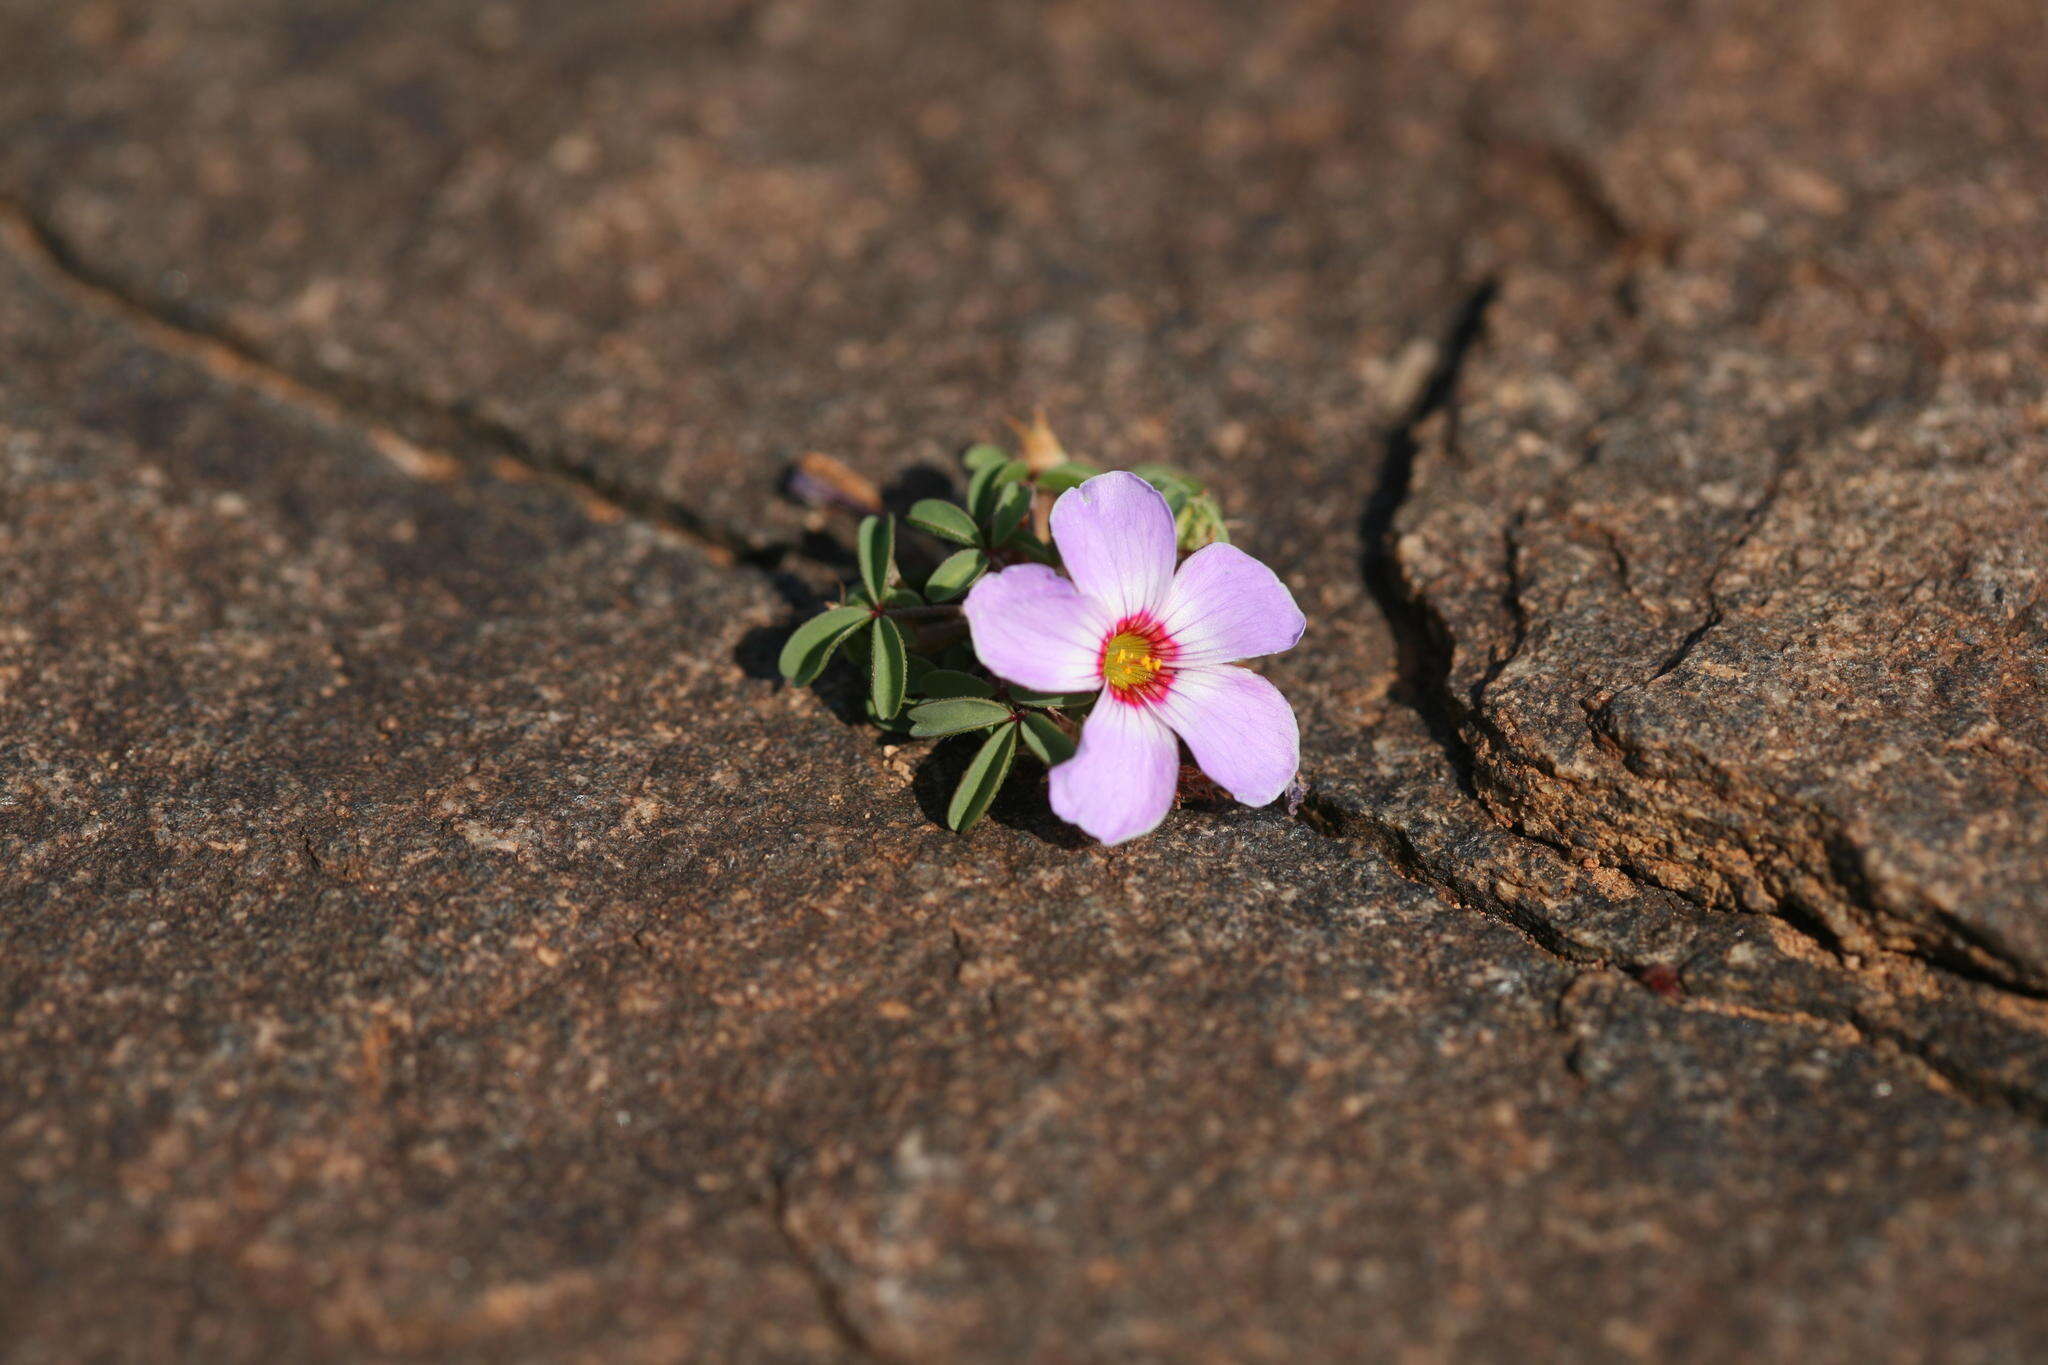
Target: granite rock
428	930
1728	564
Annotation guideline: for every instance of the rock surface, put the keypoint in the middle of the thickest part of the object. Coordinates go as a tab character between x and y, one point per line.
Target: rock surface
428	931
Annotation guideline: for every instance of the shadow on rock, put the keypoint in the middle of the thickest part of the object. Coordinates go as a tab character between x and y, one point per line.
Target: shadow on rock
1021	805
759	650
918	482
841	687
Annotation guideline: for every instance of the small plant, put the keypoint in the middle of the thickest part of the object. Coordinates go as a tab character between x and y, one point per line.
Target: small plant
1084	616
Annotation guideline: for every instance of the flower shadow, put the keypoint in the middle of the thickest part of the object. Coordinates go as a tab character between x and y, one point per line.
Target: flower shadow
821	558
1021	805
840	687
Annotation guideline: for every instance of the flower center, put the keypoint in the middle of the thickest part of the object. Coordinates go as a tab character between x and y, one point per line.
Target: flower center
1128	660
1135	659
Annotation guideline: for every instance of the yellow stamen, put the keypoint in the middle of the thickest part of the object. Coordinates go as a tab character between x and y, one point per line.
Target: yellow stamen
1128	661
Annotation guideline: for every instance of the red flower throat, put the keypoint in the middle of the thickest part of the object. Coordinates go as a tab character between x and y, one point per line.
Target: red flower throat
1137	659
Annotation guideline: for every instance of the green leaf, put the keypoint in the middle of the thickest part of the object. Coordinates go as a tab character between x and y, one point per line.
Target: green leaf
1178	488
919	667
982	491
1197	518
1165	476
1060	478
889	670
955	715
946	682
946	520
982	453
898	724
857	649
1199	523
810	648
903	597
1061	700
1031	547
877	554
956	575
1045	738
983	779
1011	505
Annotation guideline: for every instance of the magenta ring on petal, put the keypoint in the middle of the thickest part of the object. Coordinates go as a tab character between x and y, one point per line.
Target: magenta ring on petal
1170	636
1097	621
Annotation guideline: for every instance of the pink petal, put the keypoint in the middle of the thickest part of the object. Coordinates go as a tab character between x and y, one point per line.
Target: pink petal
1120	783
1035	628
1239	728
1115	534
1224	605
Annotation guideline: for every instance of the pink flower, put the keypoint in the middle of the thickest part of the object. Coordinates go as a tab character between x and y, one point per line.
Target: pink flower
1158	643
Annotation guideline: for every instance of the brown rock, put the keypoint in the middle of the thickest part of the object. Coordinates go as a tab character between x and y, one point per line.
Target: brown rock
1734	572
426	931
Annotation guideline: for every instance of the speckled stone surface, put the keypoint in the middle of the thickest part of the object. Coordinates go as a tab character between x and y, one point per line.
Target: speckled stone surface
429	931
1736	567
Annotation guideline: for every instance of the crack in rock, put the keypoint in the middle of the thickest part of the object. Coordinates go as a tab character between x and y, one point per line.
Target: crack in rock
831	1299
423	439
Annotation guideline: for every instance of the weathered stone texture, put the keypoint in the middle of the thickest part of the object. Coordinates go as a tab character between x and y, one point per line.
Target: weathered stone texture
1739	562
428	931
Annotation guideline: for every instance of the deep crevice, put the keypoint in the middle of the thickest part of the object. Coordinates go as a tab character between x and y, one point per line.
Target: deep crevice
1423	651
440	439
1424	658
1661	979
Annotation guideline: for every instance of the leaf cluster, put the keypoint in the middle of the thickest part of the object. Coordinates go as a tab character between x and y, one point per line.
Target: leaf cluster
912	642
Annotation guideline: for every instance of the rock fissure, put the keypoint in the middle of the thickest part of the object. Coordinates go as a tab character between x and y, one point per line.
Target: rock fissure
1395	844
664	1023
830	1297
423	438
1670	983
1421	645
